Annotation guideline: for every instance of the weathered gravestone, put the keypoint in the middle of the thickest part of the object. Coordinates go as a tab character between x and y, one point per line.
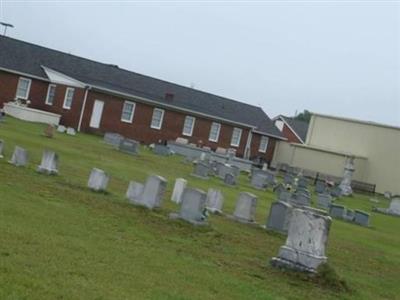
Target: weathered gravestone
129	146
193	207
19	157
245	210
300	199
336	192
320	187
337	211
160	149
361	218
224	169
1	148
302	182
285	196
61	128
179	187
259	181
150	195
345	184
230	179
394	207
49	131
288	178
201	170
305	245
349	215
324	201
71	131
279	217
49	164
98	180
113	139
215	201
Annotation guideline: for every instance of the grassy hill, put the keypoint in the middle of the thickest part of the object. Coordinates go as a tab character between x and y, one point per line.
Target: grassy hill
58	240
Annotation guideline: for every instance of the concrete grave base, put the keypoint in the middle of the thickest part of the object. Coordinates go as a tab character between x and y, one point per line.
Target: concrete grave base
242	220
198	176
176	216
286	264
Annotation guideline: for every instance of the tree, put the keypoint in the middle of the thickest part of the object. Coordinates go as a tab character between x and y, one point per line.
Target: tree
304	116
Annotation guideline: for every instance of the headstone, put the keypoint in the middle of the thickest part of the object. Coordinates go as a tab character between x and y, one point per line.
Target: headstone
320	187
160	149
49	164
1	148
98	180
285	196
337	211
220	150
230	179
324	201
71	131
236	170
203	156
306	242
201	170
265	167
259	181
135	190
193	207
215	201
245	210
152	192
300	199
61	128
182	141
180	185
288	179
19	157
394	207
129	146
345	184
349	215
361	218
336	192
112	138
302	182
279	216
224	169
49	131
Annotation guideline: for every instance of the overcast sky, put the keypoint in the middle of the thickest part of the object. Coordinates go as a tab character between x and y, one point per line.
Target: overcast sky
325	56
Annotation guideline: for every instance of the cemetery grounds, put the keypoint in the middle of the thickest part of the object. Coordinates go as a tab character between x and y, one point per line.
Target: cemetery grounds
59	240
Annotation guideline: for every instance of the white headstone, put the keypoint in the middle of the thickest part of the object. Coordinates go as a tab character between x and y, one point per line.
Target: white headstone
98	180
305	245
19	157
394	207
192	207
345	185
245	210
61	128
135	190
49	164
152	192
180	185
71	131
215	201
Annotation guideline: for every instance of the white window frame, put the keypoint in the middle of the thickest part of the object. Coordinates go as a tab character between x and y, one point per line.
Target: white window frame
264	149
65	97
239	138
28	90
191	129
48	94
132	114
218	132
158	127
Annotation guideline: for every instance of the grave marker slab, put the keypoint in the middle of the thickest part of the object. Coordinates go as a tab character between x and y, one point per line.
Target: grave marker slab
113	139
129	146
361	218
135	190
160	149
19	157
61	129
320	187
49	164
192	207
179	187
337	211
215	201
279	217
259	181
98	180
285	196
152	192
71	131
288	179
230	179
324	201
245	210
201	170
306	242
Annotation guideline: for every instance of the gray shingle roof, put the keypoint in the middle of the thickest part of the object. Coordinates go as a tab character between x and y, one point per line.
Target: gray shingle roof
28	58
300	127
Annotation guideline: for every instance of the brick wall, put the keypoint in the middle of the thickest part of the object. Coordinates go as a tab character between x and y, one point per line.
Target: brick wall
288	133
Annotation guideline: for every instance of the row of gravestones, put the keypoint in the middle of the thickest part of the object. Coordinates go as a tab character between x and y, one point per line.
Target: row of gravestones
128	146
204	169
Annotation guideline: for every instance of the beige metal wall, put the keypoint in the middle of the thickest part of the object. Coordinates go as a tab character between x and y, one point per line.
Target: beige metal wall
379	143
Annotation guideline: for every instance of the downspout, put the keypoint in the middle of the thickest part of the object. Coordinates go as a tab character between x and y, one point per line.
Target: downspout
87	88
247	151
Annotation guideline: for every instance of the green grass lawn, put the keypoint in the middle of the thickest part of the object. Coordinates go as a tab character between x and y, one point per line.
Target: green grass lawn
58	240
